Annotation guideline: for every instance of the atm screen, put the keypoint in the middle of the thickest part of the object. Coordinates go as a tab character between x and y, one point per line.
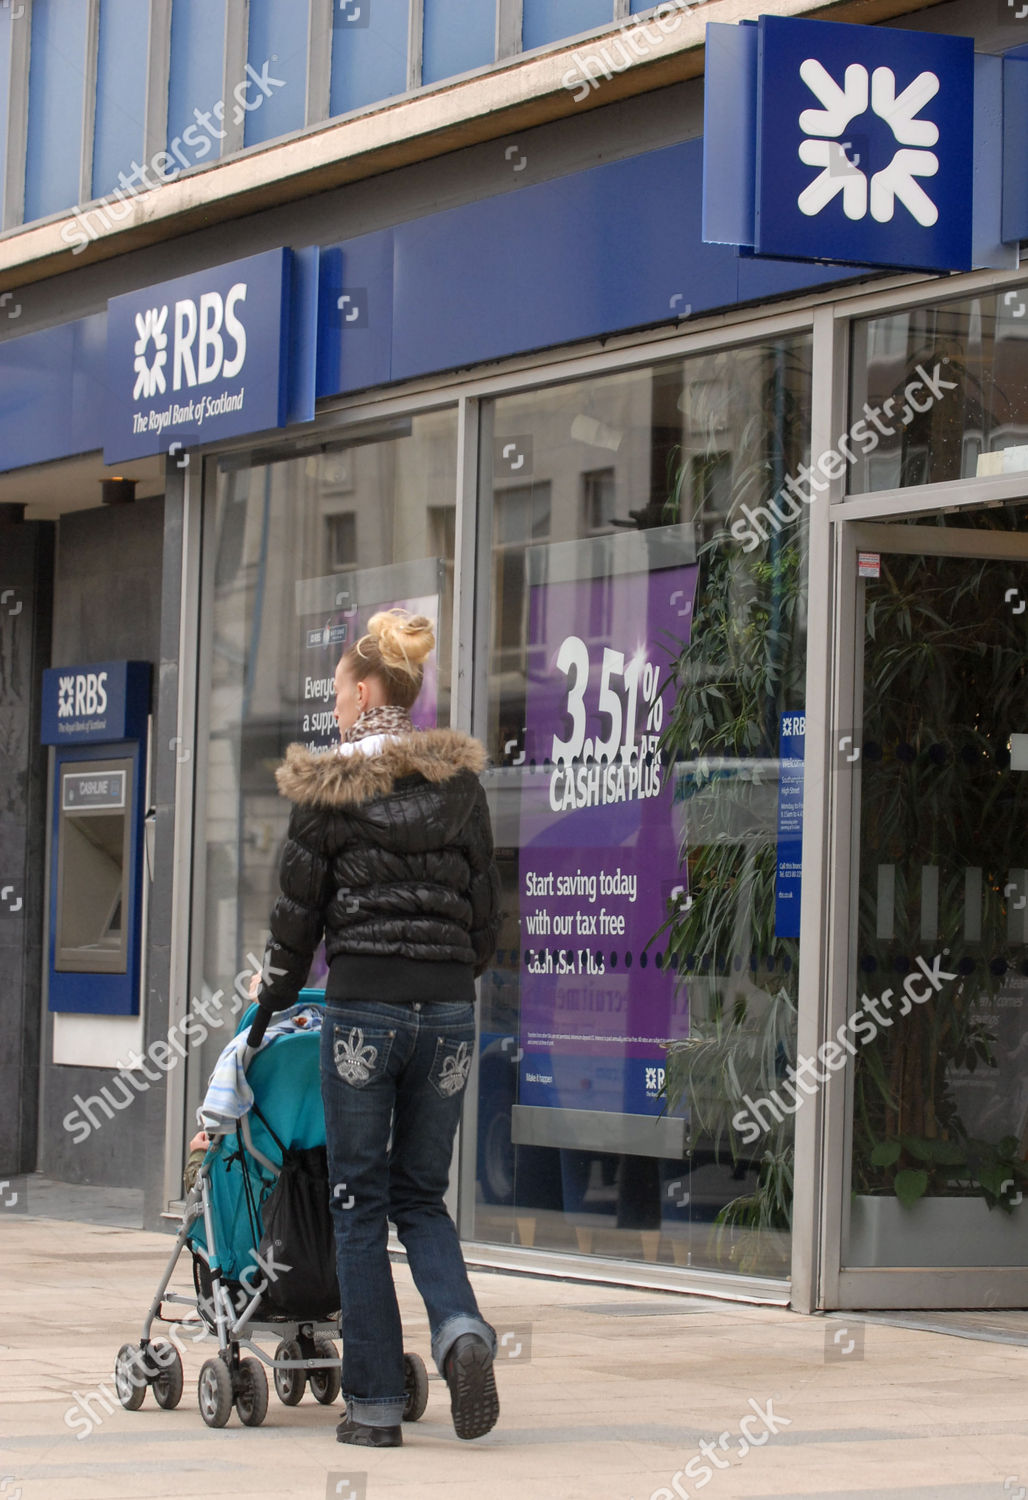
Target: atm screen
93	857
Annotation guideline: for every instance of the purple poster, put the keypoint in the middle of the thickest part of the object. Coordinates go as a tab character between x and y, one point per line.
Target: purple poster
599	859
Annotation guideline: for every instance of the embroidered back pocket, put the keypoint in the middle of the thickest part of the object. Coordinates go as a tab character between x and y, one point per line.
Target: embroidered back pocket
358	1060
451	1066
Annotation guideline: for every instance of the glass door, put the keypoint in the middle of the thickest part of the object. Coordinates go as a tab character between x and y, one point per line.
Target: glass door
930	1028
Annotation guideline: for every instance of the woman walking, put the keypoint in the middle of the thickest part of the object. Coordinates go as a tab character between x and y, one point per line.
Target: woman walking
389	856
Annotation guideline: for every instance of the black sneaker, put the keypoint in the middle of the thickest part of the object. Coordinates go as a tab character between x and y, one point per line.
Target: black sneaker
362	1436
474	1404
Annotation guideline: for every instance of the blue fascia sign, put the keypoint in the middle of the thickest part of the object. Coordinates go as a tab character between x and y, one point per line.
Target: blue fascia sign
854	144
201	358
96	703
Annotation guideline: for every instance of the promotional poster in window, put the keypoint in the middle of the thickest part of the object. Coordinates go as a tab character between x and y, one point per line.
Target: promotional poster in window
599	857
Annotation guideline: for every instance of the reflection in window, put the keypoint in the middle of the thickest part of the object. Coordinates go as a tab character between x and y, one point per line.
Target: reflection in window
341	531
522	517
712	485
940	393
599	498
624	550
291	578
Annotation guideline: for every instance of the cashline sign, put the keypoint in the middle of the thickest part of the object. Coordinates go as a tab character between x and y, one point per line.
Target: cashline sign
101	793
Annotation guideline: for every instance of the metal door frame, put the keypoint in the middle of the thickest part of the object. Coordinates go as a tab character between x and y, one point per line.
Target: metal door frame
873	1287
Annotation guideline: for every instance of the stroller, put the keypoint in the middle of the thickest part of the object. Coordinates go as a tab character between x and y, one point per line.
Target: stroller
258	1226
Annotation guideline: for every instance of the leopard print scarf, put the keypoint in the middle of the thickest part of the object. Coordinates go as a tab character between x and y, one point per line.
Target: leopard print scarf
387	719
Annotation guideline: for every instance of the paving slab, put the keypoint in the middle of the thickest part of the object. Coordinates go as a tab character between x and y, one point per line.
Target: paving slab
606	1394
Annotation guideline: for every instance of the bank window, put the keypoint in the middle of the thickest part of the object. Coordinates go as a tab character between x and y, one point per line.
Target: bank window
120	122
647	666
196	82
369	52
458	35
277	54
57	70
5	94
939	393
545	21
291	576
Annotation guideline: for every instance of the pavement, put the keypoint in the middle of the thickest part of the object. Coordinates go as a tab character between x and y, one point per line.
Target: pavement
606	1394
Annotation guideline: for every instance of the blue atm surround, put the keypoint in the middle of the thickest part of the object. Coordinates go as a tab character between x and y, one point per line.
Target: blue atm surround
116	731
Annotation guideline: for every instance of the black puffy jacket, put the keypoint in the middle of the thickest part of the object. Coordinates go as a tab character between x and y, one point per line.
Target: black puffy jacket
389	854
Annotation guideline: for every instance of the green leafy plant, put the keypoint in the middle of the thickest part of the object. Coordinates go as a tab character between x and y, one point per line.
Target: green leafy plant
928	655
944	672
742	668
722	740
726	1058
920	1167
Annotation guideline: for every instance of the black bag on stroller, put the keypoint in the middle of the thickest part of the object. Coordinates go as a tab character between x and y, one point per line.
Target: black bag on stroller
297	1248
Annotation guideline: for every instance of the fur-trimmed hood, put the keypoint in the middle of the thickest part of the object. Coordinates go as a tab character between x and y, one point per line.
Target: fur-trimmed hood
333	780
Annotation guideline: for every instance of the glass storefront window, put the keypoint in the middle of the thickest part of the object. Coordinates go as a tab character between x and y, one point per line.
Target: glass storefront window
940	979
299	552
940	393
647	651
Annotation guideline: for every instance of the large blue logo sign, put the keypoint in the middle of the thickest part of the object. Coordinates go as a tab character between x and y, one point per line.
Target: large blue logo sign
850	144
864	144
198	359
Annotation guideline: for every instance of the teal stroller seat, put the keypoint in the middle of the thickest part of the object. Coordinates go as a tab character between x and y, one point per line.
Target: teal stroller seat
258	1226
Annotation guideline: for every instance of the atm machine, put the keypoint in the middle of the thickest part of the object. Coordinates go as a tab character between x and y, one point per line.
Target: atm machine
96	716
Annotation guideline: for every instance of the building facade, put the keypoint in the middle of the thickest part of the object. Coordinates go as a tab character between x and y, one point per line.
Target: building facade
497	310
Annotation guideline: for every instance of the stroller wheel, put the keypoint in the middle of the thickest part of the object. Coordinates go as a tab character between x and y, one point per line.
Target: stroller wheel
167	1385
326	1384
214	1393
415	1387
251	1392
290	1384
130	1380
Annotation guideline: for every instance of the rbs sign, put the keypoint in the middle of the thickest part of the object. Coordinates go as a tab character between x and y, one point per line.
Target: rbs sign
198	359
189	355
81	693
99	702
213	315
842	143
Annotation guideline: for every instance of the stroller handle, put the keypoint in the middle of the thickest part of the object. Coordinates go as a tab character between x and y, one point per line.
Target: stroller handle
258	1027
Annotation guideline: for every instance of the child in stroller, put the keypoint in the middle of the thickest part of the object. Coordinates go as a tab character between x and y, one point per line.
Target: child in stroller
257	1223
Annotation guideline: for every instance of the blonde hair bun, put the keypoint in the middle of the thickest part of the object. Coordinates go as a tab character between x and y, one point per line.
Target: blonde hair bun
403	639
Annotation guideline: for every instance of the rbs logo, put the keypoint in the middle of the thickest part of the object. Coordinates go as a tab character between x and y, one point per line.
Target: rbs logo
208	343
81	693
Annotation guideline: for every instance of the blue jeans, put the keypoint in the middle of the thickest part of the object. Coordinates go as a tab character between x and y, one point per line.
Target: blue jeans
402	1067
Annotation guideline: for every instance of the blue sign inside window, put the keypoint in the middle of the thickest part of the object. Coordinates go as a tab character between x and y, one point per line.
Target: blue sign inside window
864	144
789	873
